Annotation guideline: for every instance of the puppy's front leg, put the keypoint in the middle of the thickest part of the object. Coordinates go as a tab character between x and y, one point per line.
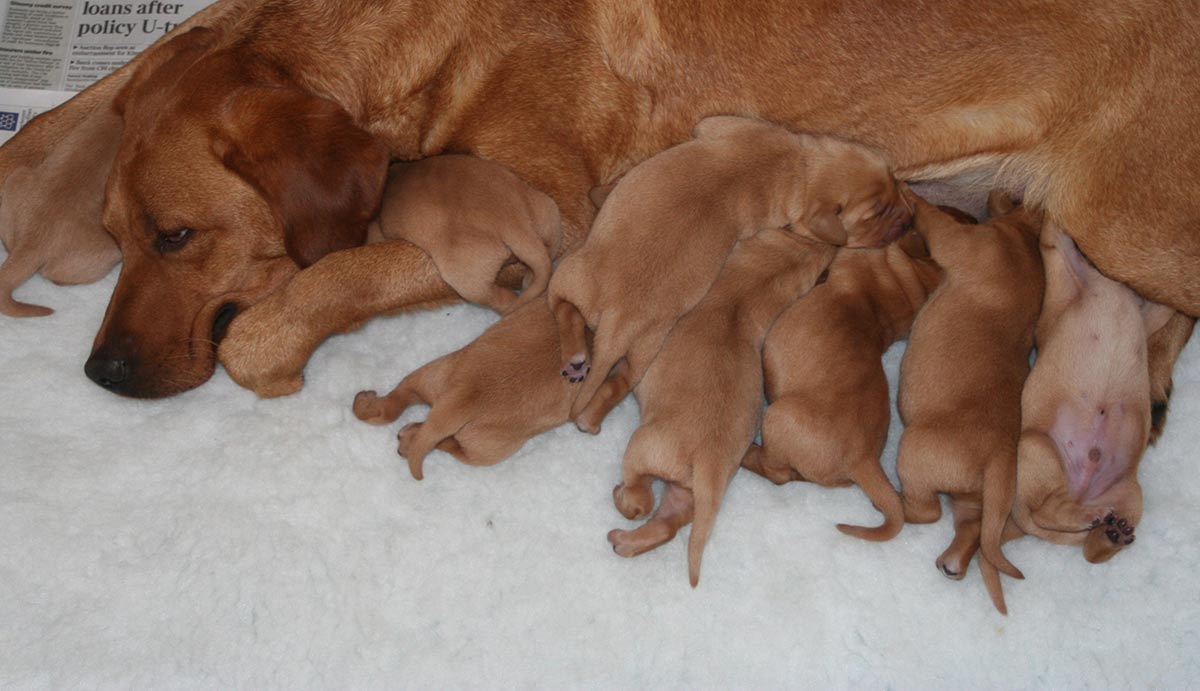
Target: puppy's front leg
268	345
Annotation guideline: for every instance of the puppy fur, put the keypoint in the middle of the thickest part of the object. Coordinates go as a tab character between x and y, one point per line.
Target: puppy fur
829	409
1086	408
473	216
701	400
962	374
661	236
486	399
50	216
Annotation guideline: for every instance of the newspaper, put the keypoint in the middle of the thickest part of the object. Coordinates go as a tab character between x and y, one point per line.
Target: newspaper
50	50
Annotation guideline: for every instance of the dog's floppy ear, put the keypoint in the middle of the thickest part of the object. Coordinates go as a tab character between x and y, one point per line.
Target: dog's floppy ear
322	174
825	225
174	55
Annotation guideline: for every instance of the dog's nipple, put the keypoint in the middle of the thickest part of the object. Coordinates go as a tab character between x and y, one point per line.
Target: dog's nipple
1094	455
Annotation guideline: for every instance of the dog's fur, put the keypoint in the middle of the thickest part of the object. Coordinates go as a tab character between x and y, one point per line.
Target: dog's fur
829	409
664	231
1085	408
962	373
50	216
486	399
472	217
701	399
1088	106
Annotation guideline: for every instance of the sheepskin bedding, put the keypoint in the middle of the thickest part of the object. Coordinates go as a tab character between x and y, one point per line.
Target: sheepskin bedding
218	540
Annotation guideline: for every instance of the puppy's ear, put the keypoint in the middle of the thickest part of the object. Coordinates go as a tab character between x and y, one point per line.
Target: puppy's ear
826	226
171	57
321	173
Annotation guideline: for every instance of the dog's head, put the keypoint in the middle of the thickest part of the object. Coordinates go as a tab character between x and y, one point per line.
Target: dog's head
226	182
853	199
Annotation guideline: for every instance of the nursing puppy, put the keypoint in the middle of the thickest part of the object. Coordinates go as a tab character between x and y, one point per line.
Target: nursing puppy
962	374
472	216
660	239
829	413
1086	408
487	399
701	400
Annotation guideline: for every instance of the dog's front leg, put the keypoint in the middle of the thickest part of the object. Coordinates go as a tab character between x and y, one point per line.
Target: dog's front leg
268	345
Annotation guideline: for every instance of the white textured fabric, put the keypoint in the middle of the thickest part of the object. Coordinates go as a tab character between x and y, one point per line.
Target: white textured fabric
217	540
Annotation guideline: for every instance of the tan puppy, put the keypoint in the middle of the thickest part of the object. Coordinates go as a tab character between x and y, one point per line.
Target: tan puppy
661	237
487	399
829	413
962	373
473	216
1085	408
50	215
701	400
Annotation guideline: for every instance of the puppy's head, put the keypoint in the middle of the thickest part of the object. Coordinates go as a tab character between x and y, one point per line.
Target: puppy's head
225	183
852	199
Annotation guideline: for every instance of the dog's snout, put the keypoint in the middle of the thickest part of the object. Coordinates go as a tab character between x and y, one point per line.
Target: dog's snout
108	372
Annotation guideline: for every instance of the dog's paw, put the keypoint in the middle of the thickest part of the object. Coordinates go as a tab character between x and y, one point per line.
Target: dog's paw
633	502
1118	530
576	369
262	355
368	407
621	543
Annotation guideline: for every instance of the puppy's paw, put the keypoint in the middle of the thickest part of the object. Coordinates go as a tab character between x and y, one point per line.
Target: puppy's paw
622	544
369	407
406	437
633	502
576	368
1117	530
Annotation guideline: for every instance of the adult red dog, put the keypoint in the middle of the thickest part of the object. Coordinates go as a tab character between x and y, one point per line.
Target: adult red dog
258	144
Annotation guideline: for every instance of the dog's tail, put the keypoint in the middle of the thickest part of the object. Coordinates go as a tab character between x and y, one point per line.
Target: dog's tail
875	484
708	489
991	575
18	268
999	489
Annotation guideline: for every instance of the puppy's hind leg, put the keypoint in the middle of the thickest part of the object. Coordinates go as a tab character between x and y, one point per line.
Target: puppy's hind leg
869	475
19	267
916	463
372	408
417	439
674	513
953	563
572	339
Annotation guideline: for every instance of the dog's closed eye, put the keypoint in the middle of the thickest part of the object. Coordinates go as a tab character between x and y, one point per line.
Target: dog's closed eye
173	241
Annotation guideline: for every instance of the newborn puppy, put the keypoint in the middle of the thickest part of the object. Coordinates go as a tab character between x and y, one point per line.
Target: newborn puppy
1086	408
962	373
662	235
829	413
57	230
487	399
702	398
472	216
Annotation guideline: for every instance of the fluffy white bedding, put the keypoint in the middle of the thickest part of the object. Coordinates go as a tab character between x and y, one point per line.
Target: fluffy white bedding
216	540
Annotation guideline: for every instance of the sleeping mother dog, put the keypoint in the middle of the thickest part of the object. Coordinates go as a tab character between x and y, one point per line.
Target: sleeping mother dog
256	141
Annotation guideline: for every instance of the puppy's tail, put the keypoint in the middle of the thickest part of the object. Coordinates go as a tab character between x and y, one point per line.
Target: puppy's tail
875	484
991	575
999	489
18	268
708	489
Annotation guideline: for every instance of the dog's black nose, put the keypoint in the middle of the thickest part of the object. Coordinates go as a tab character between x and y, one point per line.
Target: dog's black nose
106	372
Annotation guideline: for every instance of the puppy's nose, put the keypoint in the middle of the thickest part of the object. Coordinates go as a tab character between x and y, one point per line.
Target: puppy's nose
106	371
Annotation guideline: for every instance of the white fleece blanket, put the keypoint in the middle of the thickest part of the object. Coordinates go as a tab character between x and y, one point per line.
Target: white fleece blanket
218	540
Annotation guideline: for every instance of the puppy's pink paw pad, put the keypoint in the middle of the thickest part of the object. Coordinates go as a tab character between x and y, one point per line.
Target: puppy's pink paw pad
576	370
1118	531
